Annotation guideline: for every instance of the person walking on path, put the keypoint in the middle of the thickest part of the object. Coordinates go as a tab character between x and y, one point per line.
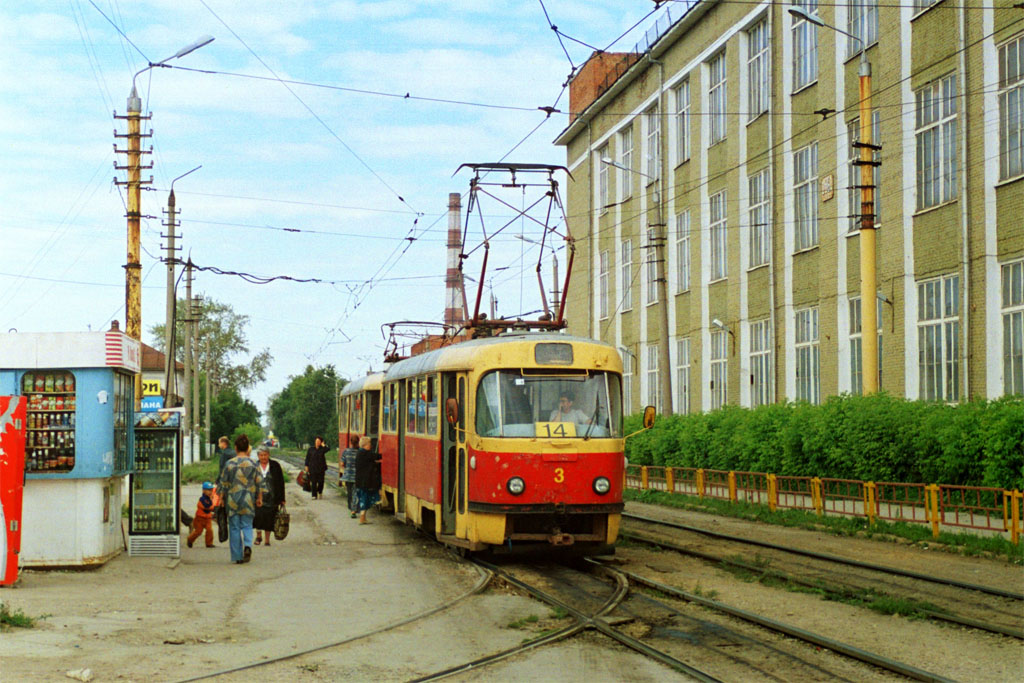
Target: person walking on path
240	487
203	521
316	466
273	477
224	453
347	467
367	478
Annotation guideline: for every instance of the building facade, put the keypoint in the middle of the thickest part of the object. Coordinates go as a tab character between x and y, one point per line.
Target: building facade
715	204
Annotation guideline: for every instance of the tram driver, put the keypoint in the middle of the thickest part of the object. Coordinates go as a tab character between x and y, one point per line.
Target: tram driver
565	412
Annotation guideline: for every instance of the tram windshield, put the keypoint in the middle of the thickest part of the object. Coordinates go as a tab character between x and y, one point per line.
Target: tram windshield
515	403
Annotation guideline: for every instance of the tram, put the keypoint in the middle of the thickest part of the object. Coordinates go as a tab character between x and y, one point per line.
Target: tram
506	443
358	410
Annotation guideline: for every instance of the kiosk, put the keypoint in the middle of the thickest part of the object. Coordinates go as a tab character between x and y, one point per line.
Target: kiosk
79	391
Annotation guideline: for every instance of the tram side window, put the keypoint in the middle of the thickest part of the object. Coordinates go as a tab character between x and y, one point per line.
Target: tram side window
432	404
412	397
421	405
391	407
357	413
343	414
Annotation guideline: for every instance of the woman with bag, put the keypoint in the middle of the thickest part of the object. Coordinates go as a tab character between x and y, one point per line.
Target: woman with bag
367	478
274	478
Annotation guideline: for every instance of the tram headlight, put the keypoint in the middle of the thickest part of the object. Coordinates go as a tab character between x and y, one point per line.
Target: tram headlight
602	485
516	486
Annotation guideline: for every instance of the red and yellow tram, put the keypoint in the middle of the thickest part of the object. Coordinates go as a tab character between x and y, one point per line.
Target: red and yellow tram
358	410
506	443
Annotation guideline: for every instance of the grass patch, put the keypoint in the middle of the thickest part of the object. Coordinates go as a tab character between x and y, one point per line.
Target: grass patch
699	591
15	619
524	622
916	534
558	613
198	472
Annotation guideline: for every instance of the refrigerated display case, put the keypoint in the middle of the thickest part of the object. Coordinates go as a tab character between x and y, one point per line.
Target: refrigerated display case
155	486
50	433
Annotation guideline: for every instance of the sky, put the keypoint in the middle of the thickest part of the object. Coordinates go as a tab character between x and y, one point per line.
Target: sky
315	165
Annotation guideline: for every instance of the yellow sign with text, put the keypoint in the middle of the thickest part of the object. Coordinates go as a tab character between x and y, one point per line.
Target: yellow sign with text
555	430
151	387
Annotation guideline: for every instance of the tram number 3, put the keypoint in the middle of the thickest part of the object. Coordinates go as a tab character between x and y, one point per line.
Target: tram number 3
559	475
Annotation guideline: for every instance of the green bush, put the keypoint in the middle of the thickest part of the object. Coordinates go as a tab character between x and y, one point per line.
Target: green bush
872	438
253	431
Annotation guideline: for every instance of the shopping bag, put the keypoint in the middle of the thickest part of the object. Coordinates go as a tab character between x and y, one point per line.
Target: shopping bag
281	522
303	480
221	514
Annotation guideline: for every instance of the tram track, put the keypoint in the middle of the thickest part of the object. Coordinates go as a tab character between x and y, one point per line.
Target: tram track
984	608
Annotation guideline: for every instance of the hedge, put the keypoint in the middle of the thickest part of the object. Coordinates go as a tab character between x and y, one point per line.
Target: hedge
871	438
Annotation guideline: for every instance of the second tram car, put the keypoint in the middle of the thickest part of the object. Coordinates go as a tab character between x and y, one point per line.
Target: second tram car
358	410
505	443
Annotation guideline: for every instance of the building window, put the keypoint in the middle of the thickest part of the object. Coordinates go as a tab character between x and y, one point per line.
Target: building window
936	142
853	132
719	236
626	275
627	382
603	285
922	5
1013	328
651	265
1011	108
760	363
652	377
719	368
938	335
757	68
760	219
683	376
856	349
807	378
805	191
716	98
682	100
602	179
805	46
626	162
653	144
683	251
862	22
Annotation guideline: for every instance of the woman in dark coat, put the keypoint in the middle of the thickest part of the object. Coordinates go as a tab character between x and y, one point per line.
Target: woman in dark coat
316	466
273	477
367	478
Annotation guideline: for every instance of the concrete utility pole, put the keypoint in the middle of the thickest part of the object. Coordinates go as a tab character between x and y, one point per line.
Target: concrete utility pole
171	225
186	427
206	441
197	423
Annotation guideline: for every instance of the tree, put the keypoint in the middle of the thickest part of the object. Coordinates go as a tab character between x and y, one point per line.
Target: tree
224	331
306	407
228	410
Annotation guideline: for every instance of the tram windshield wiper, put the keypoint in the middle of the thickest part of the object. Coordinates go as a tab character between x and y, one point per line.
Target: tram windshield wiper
593	418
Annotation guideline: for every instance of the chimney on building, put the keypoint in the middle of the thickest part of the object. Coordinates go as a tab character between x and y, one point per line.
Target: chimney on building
454	288
596	76
114	326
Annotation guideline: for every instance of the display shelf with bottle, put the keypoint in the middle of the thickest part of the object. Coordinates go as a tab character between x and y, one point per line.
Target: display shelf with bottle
51	418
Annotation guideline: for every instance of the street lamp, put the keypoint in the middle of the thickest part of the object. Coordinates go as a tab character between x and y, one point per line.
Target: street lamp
664	359
133	279
868	285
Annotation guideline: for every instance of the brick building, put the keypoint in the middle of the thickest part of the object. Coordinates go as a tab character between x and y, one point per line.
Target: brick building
728	133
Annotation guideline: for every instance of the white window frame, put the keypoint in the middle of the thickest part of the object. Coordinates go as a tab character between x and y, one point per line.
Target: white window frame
856	345
683	251
853	193
757	68
682	118
653	393
805	46
651	267
628	360
938	338
808	358
761	370
603	285
862	22
683	376
626	275
719	385
1013	327
603	196
626	162
935	137
717	98
759	186
1011	108
922	5
718	229
805	194
653	121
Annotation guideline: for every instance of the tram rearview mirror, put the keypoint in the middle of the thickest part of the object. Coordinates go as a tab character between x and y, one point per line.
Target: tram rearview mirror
649	417
451	410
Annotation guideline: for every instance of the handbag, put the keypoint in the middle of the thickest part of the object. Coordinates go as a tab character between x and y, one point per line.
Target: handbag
302	479
281	522
221	514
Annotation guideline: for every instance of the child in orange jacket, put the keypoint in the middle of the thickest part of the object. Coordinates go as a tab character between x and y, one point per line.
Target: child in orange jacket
204	515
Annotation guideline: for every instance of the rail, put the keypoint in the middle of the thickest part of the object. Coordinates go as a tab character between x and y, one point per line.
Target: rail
939	506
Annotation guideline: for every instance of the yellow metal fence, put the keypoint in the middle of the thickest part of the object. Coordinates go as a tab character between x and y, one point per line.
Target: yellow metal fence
938	505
